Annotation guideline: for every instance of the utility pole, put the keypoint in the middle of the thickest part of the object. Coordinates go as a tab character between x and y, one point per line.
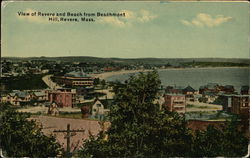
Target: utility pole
68	135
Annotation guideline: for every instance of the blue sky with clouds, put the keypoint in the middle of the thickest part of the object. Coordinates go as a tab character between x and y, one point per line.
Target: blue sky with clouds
149	29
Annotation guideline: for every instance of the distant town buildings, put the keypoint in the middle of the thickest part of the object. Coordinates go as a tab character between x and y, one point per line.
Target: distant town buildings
210	87
175	102
211	91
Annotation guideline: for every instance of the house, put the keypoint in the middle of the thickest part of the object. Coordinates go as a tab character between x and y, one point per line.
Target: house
226	101
241	105
99	108
74	79
174	89
12	99
212	87
245	90
39	96
210	96
189	92
84	90
228	89
18	98
3	99
196	97
64	97
175	102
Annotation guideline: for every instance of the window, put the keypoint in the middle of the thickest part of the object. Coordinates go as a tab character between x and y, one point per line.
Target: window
98	105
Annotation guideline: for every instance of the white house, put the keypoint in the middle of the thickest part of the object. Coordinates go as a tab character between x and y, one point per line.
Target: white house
98	108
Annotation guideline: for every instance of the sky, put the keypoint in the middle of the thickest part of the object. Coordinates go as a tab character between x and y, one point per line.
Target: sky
149	29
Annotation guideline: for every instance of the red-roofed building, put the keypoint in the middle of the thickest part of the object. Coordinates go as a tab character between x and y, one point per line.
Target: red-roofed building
63	97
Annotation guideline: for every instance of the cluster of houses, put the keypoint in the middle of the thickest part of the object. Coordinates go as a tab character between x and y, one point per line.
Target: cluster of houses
19	68
63	97
21	98
80	85
232	102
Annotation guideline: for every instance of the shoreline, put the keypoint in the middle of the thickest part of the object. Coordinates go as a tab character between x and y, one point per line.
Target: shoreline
105	75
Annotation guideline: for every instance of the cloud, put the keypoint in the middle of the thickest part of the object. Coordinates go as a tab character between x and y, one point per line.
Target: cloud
130	18
34	19
113	21
145	16
206	20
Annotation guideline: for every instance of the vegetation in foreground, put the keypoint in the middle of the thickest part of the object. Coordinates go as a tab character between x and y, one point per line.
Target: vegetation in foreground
21	138
140	129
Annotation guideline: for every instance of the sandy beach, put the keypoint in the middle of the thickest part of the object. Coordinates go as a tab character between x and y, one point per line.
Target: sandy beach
106	75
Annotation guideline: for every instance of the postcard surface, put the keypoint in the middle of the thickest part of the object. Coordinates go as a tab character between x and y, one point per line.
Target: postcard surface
124	79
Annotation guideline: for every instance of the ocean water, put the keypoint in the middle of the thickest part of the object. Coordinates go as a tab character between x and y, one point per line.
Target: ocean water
196	77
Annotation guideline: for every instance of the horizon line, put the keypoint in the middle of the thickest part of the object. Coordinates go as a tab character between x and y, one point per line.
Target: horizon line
126	57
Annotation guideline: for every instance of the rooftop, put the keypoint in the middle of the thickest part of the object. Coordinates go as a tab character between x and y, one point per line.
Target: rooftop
39	94
246	88
76	74
174	94
189	89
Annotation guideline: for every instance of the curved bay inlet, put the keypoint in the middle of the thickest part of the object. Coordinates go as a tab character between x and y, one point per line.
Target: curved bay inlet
197	77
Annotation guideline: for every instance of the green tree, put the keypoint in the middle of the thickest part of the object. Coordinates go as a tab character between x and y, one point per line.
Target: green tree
226	141
96	81
20	137
103	83
138	127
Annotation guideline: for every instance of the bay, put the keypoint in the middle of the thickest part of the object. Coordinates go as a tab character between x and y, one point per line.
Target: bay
197	77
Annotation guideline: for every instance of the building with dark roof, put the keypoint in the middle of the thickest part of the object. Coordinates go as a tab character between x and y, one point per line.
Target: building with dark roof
190	92
39	96
211	87
228	89
245	90
18	97
174	89
189	89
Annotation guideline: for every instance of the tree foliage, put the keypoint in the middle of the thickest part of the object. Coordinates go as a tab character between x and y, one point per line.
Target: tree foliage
227	141
20	137
139	128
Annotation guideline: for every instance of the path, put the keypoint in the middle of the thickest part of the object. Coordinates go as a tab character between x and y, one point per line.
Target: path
52	85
